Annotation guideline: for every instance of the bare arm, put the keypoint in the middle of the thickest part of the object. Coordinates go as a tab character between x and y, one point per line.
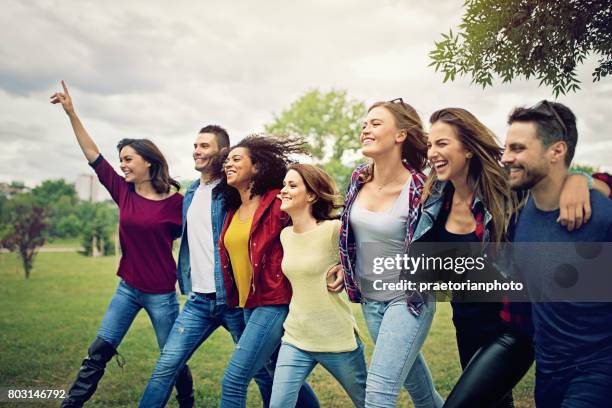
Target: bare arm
602	187
88	146
575	201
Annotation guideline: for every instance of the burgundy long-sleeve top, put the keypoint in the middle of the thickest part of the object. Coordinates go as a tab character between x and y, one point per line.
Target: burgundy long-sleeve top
146	231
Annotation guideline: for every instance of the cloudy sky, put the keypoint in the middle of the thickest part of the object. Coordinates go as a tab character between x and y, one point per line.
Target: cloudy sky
162	70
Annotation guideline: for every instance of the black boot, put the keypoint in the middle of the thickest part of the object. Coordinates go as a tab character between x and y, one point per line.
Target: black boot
184	388
90	373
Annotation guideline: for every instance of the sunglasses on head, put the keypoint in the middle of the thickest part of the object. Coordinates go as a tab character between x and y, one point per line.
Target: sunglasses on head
546	107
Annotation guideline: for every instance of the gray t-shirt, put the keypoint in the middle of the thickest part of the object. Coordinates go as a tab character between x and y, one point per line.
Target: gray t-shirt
379	234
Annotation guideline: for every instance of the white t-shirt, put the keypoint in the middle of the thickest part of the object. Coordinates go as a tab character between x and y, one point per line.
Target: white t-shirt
200	239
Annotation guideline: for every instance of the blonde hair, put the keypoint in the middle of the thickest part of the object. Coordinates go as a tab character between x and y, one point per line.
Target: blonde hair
414	148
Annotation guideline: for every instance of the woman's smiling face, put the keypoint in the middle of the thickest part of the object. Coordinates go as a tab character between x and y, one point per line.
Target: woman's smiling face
134	166
447	155
239	169
294	194
380	133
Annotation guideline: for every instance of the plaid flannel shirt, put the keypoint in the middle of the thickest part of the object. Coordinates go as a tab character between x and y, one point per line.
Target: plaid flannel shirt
348	246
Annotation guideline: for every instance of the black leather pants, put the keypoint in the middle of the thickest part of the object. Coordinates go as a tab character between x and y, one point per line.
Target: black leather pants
495	369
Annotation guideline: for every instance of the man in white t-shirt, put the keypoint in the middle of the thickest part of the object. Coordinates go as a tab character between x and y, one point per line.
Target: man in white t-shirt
199	274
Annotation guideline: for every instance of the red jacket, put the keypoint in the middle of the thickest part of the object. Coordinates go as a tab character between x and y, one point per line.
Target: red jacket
269	286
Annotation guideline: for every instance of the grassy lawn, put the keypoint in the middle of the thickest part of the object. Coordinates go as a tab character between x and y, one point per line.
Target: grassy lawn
64	243
48	321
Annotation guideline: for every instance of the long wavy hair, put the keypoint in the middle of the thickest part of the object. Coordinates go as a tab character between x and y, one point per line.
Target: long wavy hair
319	183
485	172
159	173
270	155
414	148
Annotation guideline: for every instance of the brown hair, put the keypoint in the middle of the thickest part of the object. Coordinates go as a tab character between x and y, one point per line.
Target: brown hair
485	171
160	176
323	187
554	122
414	148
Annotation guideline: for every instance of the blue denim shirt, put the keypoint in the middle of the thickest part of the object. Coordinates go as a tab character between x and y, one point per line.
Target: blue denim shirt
430	211
218	213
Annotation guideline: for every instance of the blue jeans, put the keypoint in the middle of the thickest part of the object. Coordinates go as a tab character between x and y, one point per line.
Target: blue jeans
257	348
294	365
199	318
397	358
583	386
125	305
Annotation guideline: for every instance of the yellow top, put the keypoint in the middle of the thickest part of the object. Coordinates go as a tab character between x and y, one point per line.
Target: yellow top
236	242
318	320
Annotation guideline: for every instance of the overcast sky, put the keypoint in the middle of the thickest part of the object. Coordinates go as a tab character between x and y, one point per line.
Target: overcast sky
162	70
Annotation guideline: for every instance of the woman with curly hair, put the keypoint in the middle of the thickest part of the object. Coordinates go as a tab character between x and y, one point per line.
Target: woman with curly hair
251	256
320	327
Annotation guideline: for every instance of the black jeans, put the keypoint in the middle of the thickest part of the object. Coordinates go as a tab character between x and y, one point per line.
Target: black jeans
479	328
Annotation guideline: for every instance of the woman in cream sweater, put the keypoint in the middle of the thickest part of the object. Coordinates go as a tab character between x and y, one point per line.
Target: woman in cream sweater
320	327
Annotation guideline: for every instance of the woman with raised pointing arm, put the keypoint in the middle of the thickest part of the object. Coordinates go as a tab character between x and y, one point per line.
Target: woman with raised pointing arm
149	220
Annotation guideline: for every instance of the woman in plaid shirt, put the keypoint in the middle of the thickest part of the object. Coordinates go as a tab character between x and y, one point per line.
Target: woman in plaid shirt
380	213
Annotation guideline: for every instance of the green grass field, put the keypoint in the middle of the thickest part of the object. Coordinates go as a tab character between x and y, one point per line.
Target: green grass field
63	243
48	321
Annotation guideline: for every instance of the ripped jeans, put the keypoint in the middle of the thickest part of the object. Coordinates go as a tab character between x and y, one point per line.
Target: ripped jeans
397	360
199	319
258	348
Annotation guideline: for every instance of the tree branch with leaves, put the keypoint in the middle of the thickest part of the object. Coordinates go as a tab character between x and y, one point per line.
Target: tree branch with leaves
540	39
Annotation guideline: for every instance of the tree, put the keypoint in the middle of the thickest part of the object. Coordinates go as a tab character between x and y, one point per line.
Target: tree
24	228
53	190
542	39
3	201
330	122
62	202
69	226
99	221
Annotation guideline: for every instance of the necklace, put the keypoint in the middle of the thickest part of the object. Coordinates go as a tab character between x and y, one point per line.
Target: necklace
380	187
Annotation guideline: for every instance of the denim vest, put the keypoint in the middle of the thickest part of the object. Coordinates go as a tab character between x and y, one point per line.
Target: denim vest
218	213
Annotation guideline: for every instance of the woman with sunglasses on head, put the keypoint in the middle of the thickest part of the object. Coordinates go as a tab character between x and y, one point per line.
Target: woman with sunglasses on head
380	213
149	220
320	327
467	199
251	255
